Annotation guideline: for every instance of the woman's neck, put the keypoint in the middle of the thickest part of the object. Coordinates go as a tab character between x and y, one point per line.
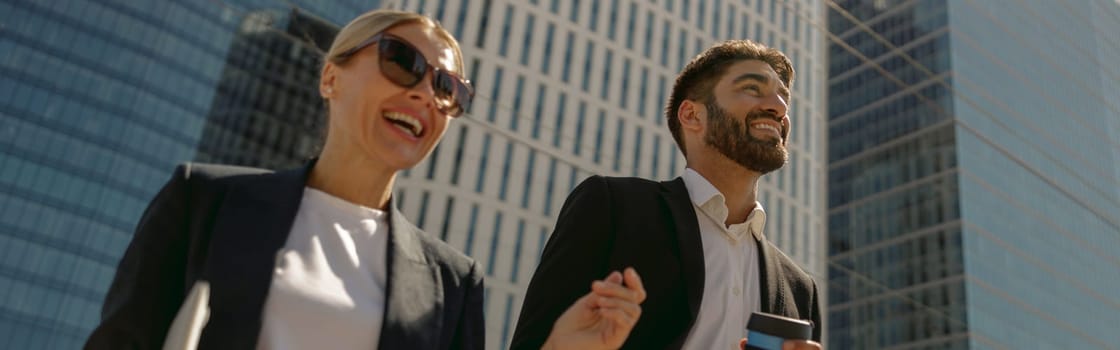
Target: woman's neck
353	178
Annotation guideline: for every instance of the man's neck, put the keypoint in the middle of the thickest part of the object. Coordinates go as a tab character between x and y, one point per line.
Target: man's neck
738	185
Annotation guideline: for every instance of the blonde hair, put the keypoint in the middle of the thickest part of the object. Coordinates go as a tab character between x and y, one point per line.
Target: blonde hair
377	21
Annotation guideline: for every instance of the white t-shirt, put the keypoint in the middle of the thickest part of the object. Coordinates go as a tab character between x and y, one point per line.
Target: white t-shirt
328	288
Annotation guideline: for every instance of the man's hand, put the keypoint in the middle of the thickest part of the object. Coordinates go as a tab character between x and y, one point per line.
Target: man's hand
789	345
603	318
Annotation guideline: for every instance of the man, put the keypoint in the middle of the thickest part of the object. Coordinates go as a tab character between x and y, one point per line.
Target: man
697	240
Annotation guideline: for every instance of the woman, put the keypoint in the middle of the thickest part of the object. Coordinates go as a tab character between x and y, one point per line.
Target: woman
318	256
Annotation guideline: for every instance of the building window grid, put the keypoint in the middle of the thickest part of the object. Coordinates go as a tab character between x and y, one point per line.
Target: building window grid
648	44
637	163
517	251
612	23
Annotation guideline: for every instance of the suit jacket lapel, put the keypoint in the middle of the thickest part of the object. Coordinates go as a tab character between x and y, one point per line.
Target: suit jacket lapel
770	277
414	293
688	238
252	226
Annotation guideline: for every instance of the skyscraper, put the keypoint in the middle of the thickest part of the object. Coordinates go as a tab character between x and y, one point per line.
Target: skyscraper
974	168
98	102
100	99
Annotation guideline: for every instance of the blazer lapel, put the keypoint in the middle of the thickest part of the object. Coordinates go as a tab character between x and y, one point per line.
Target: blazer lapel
414	293
252	226
688	238
771	298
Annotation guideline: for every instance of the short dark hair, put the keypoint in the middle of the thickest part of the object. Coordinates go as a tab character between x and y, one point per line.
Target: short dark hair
699	77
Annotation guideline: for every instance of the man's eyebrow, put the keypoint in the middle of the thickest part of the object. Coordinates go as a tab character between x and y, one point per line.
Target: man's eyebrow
782	89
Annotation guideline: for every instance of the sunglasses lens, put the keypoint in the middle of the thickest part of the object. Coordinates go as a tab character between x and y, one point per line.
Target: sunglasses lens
453	96
401	63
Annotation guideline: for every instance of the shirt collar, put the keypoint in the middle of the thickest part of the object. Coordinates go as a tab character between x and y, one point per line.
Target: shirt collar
707	198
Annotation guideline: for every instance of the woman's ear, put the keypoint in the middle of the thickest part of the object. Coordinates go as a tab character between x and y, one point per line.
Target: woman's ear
327	81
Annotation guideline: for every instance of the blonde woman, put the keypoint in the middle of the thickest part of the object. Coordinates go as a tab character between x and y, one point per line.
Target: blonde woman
318	257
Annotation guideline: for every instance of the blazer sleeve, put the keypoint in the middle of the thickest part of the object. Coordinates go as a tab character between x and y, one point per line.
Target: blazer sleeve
149	283
576	254
471	331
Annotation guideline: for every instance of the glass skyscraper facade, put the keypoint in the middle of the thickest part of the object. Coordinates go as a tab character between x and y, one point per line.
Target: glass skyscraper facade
974	174
100	99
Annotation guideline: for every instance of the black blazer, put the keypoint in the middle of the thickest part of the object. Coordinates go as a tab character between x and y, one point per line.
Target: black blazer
607	224
226	224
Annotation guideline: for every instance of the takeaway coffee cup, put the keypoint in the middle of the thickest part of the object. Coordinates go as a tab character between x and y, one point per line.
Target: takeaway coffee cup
767	331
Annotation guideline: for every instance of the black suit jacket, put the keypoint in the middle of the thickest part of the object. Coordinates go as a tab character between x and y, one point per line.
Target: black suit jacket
226	224
607	224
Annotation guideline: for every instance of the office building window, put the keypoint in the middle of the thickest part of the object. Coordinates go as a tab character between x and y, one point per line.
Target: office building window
503	46
577	143
557	129
631	25
458	162
569	47
619	131
599	136
484	154
586	83
483	24
538	112
447	211
468	246
527	40
637	163
527	188
624	99
493	256
515	114
495	95
546	59
505	171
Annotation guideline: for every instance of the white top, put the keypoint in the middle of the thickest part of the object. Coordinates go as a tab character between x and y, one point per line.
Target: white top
731	282
328	289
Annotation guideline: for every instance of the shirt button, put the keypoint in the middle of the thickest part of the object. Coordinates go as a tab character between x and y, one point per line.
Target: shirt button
736	291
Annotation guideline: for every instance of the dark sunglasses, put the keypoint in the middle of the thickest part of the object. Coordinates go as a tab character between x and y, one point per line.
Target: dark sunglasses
404	65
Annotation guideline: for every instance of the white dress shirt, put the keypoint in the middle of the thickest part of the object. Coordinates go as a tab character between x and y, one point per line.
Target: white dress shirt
328	288
731	282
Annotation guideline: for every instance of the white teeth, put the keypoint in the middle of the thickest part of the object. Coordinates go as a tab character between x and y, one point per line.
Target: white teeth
767	126
417	128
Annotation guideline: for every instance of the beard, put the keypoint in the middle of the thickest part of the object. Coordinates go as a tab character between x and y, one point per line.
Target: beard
732	138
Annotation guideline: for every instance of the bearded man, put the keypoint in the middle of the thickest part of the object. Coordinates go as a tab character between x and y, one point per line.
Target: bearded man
697	240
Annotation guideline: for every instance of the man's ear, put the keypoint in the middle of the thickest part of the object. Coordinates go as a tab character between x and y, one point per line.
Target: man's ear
692	116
